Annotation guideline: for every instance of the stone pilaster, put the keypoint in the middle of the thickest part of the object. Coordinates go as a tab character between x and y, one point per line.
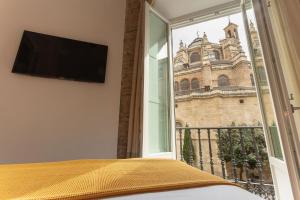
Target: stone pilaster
131	23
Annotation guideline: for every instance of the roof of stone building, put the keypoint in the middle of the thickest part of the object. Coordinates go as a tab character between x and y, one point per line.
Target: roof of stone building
196	42
229	24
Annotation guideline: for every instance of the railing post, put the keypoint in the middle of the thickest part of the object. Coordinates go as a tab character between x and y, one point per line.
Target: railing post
210	152
180	144
200	150
258	160
221	154
191	152
273	193
245	160
234	165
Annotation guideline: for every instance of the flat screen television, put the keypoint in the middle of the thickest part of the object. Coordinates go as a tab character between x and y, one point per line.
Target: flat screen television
57	57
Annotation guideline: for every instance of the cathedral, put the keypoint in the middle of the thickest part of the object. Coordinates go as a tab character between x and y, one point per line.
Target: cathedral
214	87
214	83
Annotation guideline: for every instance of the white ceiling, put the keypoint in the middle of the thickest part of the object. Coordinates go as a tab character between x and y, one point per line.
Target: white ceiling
176	8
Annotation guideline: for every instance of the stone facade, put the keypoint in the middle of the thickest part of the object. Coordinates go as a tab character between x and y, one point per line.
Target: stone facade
214	82
215	87
218	110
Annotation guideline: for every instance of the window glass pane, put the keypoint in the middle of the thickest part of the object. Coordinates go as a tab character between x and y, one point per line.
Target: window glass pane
195	83
158	93
184	84
263	86
223	81
195	57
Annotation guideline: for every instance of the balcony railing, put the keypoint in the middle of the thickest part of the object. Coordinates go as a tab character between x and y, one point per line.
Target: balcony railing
237	154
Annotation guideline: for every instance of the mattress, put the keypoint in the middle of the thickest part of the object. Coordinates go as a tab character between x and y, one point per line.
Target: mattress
218	192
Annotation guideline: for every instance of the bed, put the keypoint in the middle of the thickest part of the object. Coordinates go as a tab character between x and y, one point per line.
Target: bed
114	180
219	192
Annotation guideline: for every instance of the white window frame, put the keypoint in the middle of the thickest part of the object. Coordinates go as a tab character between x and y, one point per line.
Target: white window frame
145	146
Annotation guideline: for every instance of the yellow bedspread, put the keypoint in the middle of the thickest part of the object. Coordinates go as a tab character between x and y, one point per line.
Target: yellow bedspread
89	179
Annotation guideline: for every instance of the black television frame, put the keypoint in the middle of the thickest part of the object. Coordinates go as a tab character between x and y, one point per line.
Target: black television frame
16	67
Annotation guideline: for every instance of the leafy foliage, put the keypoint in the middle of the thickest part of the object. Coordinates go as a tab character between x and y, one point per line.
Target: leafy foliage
228	148
188	148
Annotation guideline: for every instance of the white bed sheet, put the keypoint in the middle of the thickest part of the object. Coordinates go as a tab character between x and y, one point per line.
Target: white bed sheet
219	192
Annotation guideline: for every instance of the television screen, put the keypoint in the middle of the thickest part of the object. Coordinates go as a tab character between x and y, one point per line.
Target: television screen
56	57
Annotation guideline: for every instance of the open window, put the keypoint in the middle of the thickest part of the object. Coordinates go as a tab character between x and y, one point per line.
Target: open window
159	137
158	123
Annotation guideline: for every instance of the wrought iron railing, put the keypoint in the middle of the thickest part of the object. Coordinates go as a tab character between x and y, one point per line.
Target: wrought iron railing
227	152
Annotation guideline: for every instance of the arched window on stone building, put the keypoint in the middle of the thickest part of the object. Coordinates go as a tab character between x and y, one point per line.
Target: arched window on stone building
223	81
184	84
195	84
252	80
195	57
229	33
217	55
176	86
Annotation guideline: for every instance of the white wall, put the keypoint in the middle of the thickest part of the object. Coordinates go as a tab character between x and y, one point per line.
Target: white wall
47	119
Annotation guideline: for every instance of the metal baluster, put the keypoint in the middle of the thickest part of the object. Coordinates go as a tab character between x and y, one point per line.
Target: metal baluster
245	161
200	150
221	154
191	153
180	143
210	153
258	161
273	193
233	156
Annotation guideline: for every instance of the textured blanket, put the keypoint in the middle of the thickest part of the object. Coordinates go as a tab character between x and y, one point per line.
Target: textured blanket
89	179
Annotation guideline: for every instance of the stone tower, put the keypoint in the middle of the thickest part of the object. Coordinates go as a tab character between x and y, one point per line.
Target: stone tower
181	55
231	44
259	63
254	38
231	31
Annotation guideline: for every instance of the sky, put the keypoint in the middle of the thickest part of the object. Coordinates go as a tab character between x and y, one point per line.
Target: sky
213	29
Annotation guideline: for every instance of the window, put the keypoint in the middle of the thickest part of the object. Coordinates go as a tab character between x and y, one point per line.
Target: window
207	88
185	84
195	83
195	57
252	80
176	85
211	56
217	55
223	81
229	34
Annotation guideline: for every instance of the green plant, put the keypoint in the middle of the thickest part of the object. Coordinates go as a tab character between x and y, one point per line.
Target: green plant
188	148
233	148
